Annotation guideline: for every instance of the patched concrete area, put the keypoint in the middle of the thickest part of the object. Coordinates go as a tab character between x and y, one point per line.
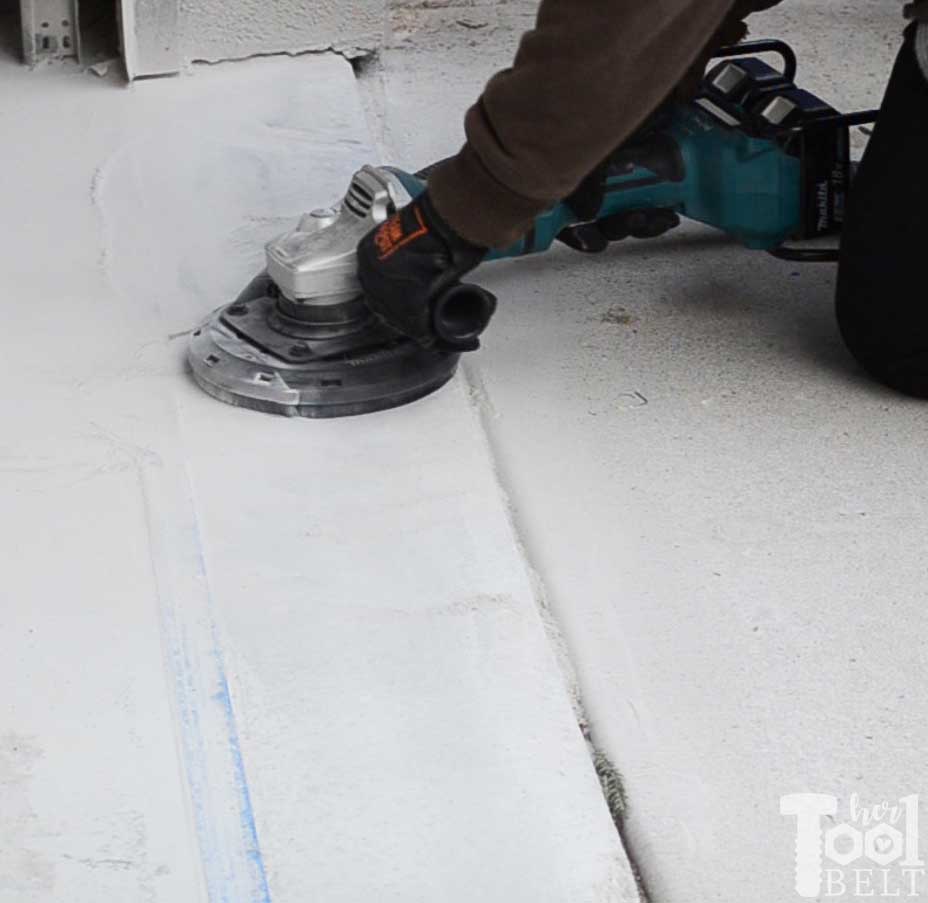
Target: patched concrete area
247	658
726	515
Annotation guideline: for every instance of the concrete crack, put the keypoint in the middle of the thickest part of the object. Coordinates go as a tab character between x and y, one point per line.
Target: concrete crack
350	52
610	777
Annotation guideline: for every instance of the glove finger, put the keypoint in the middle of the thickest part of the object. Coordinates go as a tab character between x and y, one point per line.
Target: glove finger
585	237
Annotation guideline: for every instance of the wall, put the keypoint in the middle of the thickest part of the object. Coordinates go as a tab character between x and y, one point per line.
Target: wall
220	29
163	36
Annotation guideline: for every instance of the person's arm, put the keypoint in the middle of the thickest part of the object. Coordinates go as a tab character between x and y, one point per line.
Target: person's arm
583	81
585	78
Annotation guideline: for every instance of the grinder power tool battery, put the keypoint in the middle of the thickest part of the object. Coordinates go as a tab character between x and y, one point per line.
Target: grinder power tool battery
753	155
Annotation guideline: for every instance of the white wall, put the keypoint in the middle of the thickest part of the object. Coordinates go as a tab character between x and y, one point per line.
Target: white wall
164	35
220	29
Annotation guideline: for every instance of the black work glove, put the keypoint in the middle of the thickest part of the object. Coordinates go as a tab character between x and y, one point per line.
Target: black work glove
410	268
592	235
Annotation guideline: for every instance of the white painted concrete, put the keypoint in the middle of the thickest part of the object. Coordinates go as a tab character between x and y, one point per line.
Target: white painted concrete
246	658
90	793
219	29
150	37
164	37
738	564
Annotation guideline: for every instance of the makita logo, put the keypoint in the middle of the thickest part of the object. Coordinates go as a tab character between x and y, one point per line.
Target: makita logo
838	193
824	207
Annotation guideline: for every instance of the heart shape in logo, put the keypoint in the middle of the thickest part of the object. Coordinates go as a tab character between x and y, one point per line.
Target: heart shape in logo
883	844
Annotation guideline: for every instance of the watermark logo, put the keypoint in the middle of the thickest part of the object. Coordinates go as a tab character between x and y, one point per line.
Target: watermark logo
874	852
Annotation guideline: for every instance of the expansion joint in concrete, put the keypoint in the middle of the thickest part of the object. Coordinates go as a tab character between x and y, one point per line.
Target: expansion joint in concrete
609	775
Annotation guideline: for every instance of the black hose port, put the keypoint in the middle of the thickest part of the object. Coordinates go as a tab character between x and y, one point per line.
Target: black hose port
462	313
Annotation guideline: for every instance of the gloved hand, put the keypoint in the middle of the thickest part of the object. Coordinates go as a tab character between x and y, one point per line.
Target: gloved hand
410	269
592	235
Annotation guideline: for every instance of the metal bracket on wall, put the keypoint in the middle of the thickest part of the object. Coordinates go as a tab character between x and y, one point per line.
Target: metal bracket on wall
50	29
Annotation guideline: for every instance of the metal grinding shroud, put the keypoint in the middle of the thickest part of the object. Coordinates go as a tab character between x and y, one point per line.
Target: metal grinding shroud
300	341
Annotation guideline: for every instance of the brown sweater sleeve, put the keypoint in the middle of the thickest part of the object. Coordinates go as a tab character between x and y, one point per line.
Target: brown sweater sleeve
584	79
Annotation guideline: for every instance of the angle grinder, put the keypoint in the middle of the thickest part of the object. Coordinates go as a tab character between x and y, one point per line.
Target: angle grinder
753	155
300	341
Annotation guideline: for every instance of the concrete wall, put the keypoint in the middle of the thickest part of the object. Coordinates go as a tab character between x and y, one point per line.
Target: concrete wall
162	36
222	29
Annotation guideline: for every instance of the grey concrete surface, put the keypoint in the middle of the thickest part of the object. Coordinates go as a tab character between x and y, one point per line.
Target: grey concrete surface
728	518
164	37
218	29
247	659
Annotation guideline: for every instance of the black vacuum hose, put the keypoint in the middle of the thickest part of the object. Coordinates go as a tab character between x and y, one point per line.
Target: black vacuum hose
462	313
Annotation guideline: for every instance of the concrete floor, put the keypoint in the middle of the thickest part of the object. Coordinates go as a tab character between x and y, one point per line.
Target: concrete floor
250	659
247	659
726	516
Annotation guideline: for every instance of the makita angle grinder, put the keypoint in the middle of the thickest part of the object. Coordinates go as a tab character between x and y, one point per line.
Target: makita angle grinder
753	155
